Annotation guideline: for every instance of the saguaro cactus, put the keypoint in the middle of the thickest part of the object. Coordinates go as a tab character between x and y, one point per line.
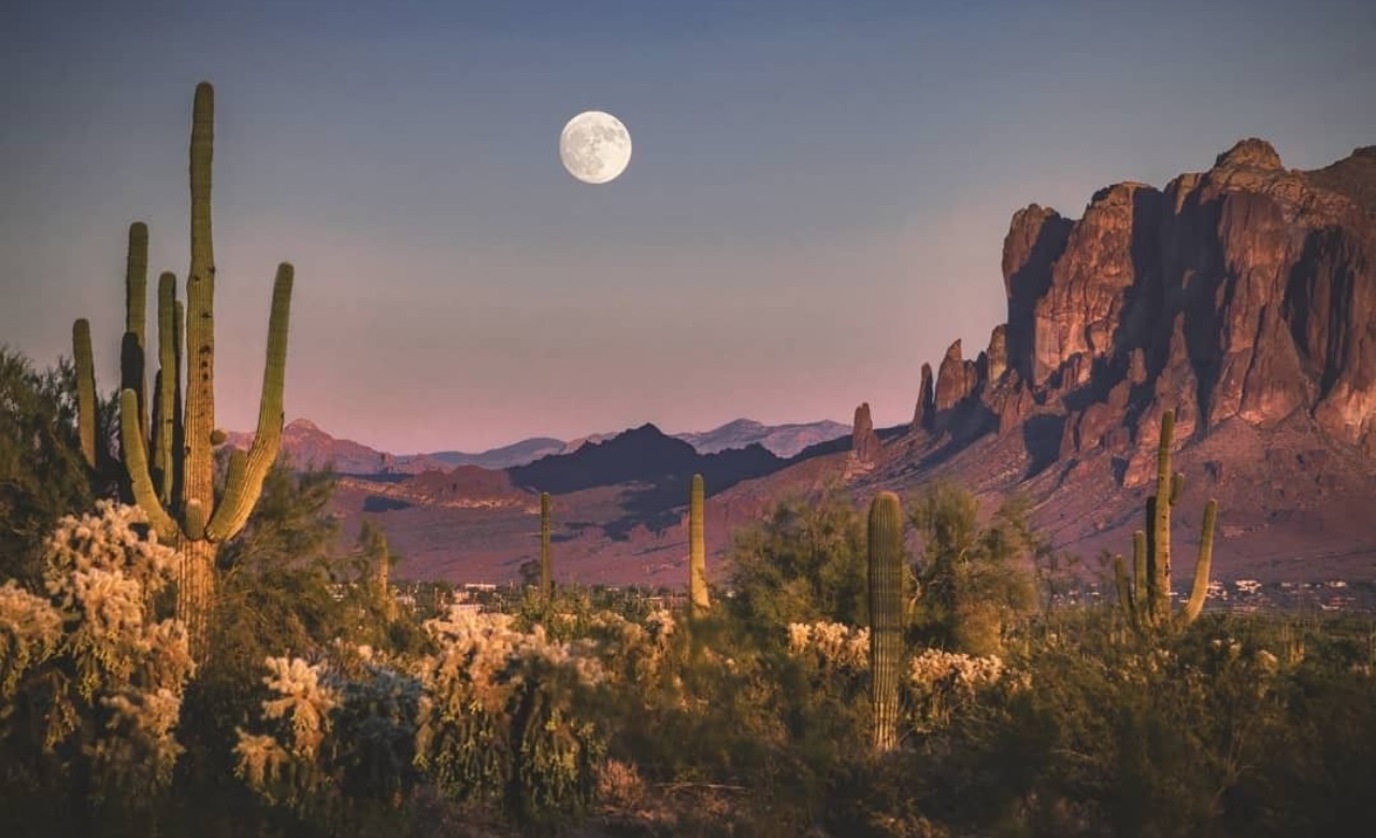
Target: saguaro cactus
377	557
1146	596
697	550
176	488
885	550
546	570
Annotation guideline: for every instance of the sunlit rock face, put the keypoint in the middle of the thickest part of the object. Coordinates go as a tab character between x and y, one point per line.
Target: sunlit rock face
1248	291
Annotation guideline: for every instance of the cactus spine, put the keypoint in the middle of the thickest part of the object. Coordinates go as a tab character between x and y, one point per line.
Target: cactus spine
1146	597
697	550
885	549
546	571
175	484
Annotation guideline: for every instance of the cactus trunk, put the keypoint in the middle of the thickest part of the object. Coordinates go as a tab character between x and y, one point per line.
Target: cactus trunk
165	389
84	364
885	553
1161	531
198	468
546	571
697	550
133	360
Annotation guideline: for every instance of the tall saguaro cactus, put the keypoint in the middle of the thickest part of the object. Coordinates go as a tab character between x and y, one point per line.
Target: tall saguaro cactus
697	550
1146	596
546	570
885	549
176	486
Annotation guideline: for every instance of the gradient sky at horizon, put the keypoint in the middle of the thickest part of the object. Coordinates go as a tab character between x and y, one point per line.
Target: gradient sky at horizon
815	205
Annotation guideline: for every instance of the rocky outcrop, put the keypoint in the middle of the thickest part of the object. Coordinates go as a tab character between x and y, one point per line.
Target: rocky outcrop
1247	291
864	440
1036	239
998	352
924	417
956	379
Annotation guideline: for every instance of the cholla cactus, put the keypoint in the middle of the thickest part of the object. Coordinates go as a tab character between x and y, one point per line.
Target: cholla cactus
498	715
124	671
834	645
305	701
941	682
30	632
330	737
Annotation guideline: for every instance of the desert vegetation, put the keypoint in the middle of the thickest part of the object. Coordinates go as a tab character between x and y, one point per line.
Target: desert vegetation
841	683
185	649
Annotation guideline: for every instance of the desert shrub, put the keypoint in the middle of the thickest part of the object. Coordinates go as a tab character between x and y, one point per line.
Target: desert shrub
43	476
92	680
333	742
500	719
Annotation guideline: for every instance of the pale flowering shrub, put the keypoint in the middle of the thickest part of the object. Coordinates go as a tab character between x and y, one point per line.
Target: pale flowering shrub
628	651
108	672
833	646
30	632
499	714
941	683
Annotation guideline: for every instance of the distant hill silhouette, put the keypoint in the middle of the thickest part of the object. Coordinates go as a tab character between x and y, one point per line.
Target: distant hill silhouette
516	454
785	440
642	455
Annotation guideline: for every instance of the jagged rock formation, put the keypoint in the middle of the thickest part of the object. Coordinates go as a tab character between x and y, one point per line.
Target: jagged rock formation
1245	291
865	442
924	416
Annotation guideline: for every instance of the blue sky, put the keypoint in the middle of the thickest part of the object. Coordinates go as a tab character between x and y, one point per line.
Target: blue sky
815	205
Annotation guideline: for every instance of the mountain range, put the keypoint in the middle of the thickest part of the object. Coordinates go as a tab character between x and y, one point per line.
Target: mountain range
1242	297
308	445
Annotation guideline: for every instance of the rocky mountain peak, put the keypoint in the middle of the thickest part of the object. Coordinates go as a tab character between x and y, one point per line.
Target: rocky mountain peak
1251	152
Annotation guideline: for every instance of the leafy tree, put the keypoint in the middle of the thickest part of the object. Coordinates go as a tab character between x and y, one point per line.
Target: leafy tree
805	564
42	474
972	580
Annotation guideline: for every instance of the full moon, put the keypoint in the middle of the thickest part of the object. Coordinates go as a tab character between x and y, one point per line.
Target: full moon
595	147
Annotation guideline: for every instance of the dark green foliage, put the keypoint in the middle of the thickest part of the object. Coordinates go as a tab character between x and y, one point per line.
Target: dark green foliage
43	471
805	563
973	580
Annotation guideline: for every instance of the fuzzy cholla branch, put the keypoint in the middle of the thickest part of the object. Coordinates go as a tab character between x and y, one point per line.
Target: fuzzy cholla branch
30	631
305	701
835	645
140	749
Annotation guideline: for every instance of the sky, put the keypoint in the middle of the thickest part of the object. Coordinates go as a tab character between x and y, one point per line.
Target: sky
815	204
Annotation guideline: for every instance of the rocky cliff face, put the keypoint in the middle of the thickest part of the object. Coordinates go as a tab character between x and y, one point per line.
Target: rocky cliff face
1245	291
